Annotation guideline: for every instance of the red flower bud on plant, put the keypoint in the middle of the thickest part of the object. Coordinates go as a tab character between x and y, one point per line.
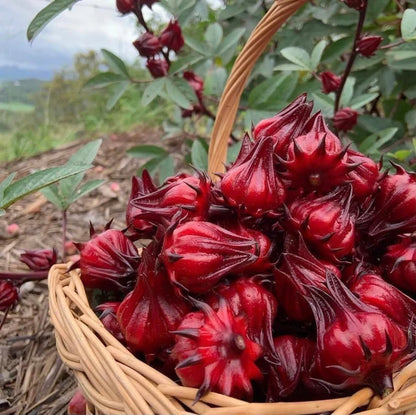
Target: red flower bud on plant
196	83
198	254
108	317
9	294
157	67
367	45
125	6
214	352
77	405
345	119
39	259
253	186
399	264
285	125
109	261
330	82
148	45
171	37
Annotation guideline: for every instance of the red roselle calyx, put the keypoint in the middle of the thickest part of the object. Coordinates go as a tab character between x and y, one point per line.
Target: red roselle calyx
198	254
295	356
253	186
285	125
325	223
157	67
330	82
355	4
108	317
148	45
109	261
149	313
77	405
9	295
345	119
39	259
215	354
126	6
171	37
367	45
399	264
356	344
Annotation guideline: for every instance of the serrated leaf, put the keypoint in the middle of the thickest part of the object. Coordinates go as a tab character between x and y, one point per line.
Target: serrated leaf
117	93
297	56
176	95
46	15
213	36
358	102
316	54
37	181
230	41
5	183
199	155
347	92
115	63
86	188
104	79
152	91
146	150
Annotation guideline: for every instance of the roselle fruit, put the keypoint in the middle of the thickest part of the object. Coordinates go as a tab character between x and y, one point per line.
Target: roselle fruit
108	261
356	344
149	313
345	119
9	295
198	254
108	317
399	264
368	45
325	223
126	6
285	125
252	186
78	404
214	352
39	259
330	82
158	67
148	45
295	355
171	36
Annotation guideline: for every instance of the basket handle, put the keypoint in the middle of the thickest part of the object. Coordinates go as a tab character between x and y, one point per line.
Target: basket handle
278	13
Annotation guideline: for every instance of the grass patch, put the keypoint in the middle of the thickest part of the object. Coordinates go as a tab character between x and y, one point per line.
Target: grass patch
16	107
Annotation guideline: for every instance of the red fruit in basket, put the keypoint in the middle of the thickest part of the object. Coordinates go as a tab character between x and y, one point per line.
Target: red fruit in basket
297	269
295	356
78	404
330	82
253	185
214	352
139	187
367	45
325	223
247	297
39	259
316	161
395	205
152	310
189	195
245	149
285	125
108	317
158	68
399	264
364	177
372	290
345	119
9	295
356	345
171	36
148	45
126	6
198	254
108	261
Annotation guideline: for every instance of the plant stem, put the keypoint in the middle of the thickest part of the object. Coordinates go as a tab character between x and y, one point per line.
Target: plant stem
352	57
21	277
64	224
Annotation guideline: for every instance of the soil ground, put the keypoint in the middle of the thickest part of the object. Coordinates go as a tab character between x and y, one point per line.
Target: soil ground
33	381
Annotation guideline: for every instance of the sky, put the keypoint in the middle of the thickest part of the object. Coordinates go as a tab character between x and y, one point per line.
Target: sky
91	24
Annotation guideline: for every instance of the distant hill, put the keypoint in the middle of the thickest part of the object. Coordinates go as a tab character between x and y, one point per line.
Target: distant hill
19	91
14	73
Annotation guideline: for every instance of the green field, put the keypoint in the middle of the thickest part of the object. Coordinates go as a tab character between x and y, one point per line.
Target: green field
16	107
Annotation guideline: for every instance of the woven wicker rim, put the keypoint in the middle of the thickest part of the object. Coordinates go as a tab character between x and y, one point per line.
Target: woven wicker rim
115	382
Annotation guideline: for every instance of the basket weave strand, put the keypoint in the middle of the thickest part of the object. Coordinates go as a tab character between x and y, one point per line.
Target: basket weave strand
115	382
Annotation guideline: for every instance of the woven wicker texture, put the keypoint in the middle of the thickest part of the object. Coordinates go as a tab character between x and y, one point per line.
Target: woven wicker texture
115	382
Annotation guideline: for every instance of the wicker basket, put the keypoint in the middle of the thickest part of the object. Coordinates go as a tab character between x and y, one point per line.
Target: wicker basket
115	382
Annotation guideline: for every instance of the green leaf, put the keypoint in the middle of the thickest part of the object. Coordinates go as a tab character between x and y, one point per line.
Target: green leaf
199	155
323	102
262	92
176	95
298	56
146	150
46	15
118	92
183	63
215	81
230	41
213	36
166	168
197	46
104	79
401	155
86	188
233	151
347	92
316	54
115	63
358	102
153	90
5	183
37	181
52	194
408	25
86	154
289	67
374	142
